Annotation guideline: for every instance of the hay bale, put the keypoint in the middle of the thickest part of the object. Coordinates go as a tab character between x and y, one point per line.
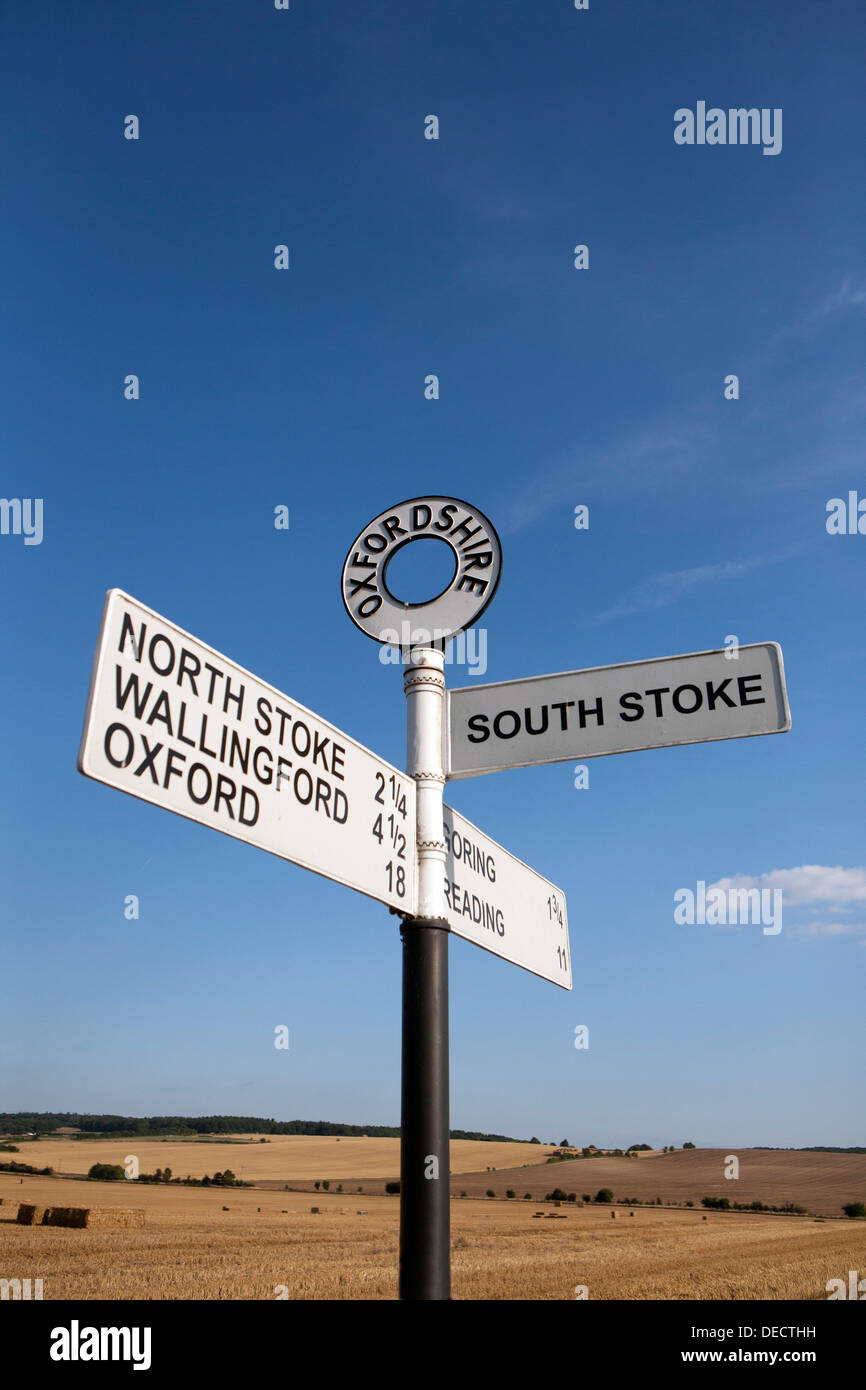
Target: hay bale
95	1218
29	1215
65	1216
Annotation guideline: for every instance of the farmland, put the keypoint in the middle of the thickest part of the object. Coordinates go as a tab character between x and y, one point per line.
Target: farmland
284	1158
191	1248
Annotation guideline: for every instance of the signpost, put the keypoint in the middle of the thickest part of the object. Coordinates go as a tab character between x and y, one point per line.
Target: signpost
172	721
696	698
493	899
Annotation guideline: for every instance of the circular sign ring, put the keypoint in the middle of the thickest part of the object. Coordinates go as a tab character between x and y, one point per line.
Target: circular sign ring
478	554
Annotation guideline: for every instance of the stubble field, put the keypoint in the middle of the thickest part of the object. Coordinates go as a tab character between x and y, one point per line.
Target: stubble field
191	1249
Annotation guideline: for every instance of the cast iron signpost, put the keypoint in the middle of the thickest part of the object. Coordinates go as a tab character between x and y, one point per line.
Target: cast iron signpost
172	721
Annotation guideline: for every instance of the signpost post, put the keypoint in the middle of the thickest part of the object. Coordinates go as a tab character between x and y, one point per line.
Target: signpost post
172	721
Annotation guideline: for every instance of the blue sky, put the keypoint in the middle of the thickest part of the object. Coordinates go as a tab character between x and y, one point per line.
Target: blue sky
558	387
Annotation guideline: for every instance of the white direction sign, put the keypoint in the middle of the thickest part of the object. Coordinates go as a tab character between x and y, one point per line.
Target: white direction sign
172	721
497	902
695	698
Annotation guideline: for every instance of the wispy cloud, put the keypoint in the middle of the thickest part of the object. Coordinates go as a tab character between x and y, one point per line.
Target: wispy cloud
851	295
659	590
810	424
833	929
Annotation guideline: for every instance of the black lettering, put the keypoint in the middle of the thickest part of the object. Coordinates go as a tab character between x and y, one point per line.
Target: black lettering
381	542
284	716
338	755
742	682
203	748
341	804
238	698
421	525
181	726
657	694
198	767
304	800
183	669
214	675
127	630
301	726
282	776
465	528
162	712
677	699
392	525
475	586
170	770
527	716
480	562
323	795
718	693
562	706
362	562
448	514
500	922
319	746
264	777
264	708
241	750
631	702
506	714
245	792
171	654
147	764
370	606
118	762
138	701
358	585
597	712
223	795
478	725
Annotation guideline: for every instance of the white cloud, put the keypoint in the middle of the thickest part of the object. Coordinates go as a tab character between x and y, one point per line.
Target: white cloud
807	884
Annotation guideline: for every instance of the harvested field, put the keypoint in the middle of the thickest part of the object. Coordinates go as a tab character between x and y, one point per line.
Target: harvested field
285	1158
820	1182
190	1248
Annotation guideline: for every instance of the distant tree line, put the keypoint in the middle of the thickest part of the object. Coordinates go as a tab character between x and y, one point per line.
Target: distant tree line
113	1172
130	1126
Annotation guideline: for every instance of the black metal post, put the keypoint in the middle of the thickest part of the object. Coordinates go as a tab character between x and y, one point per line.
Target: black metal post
425	1182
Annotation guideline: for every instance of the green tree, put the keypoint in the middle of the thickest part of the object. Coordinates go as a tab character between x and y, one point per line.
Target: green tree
509	1192
533	1140
106	1172
326	1183
604	1194
854	1209
688	1146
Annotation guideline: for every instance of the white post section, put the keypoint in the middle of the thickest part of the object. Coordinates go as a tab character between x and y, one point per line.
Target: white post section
424	684
425	1170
